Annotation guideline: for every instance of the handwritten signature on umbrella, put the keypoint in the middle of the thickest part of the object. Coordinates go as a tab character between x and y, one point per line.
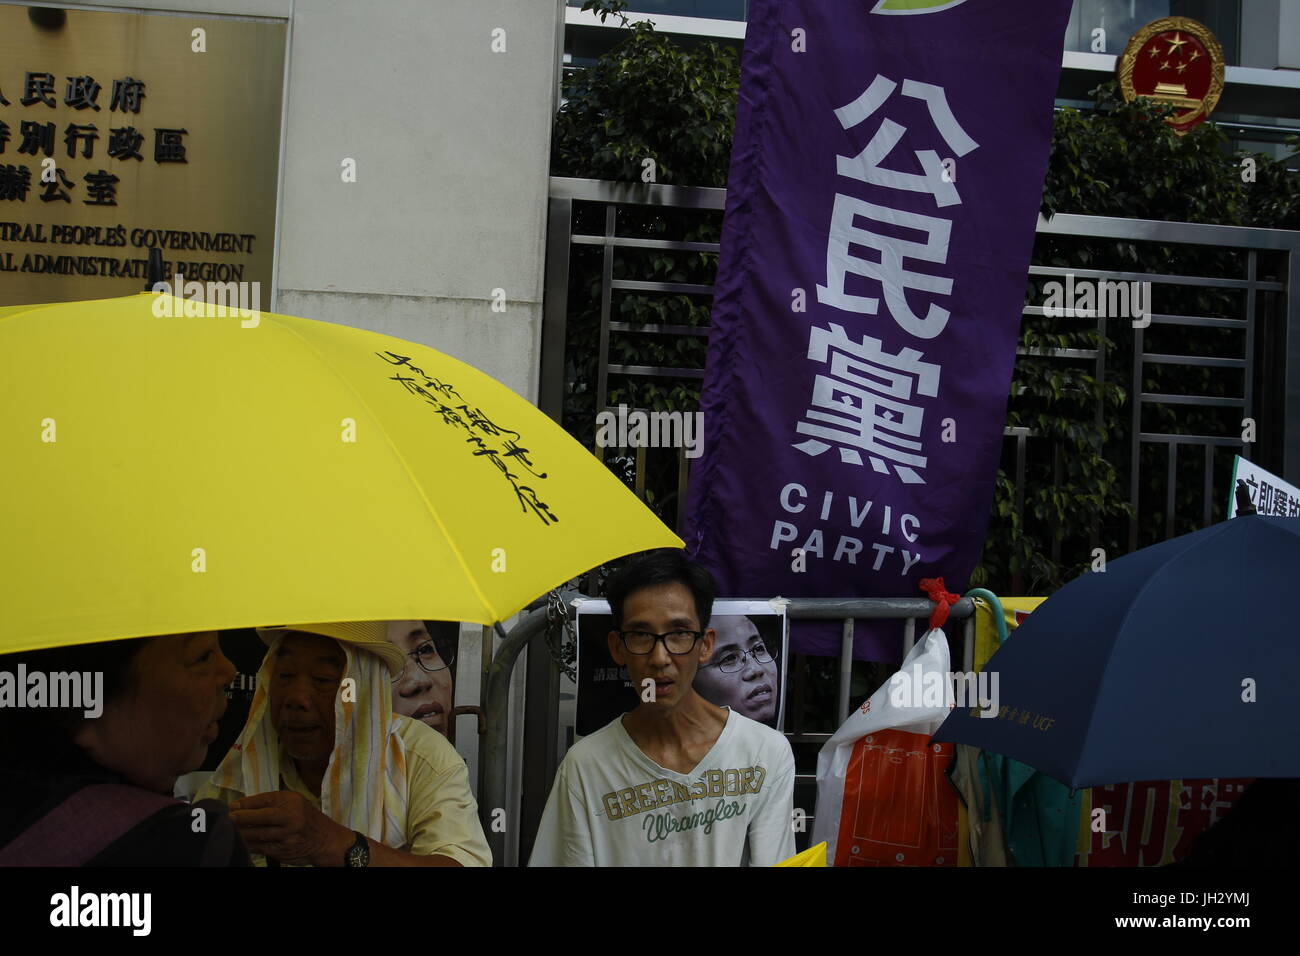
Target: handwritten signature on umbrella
481	431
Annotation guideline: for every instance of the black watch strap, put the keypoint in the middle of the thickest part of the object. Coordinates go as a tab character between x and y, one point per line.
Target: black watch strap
359	853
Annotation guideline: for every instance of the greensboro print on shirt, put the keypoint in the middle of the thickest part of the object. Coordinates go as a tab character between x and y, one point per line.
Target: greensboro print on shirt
719	784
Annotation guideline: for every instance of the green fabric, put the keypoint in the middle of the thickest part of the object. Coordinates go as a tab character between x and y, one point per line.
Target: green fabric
1041	819
985	841
1040	822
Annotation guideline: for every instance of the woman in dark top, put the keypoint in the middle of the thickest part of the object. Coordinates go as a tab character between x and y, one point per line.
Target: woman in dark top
96	791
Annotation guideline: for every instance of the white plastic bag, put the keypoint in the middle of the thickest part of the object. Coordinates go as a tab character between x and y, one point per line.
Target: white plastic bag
914	823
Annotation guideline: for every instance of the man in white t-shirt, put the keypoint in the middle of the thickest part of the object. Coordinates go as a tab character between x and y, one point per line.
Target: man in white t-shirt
677	781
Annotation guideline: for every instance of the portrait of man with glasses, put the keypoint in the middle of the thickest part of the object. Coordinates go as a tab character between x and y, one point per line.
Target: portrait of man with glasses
743	673
676	780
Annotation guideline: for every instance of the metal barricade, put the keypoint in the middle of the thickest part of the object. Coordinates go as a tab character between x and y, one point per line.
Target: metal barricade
530	631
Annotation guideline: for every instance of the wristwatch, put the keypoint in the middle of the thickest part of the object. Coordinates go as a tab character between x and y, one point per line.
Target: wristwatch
358	853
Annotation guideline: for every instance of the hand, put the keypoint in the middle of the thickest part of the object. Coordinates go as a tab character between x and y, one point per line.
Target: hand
285	825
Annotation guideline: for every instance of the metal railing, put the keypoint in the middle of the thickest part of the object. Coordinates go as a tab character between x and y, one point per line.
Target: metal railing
529	632
1253	290
1251	242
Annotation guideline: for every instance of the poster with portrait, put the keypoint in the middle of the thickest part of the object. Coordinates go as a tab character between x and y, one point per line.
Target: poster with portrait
745	672
426	688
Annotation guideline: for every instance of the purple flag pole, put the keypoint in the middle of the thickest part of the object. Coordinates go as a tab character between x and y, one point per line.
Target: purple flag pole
885	180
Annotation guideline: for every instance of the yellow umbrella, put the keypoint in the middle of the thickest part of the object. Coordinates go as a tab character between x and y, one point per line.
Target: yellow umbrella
813	856
168	473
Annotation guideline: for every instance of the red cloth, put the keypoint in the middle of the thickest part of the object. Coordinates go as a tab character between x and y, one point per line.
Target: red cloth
944	600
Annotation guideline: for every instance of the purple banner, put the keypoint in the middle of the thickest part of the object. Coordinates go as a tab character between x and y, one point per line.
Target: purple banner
885	181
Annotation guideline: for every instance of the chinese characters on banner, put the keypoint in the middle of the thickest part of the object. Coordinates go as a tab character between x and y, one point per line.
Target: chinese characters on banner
1153	823
868	394
884	188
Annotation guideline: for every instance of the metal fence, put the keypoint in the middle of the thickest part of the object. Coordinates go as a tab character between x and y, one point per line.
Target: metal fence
541	722
1264	312
1264	315
1268	386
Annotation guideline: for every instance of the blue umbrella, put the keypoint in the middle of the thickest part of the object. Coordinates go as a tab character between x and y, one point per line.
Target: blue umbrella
1179	661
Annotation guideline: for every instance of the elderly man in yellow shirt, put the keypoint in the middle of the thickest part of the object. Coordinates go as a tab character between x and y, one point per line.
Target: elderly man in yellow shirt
325	774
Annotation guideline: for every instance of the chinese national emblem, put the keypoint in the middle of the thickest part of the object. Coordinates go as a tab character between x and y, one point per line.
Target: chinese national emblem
1177	61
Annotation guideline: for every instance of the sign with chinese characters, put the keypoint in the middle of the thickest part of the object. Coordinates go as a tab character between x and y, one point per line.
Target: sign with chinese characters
1178	61
124	131
1155	822
1268	493
884	187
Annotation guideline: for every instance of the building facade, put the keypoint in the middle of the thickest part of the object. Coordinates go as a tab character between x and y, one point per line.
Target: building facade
1259	109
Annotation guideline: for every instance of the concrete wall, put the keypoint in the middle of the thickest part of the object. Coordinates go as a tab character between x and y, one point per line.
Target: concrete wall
451	142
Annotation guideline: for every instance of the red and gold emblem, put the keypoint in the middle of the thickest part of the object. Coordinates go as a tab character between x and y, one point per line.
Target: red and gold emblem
1178	61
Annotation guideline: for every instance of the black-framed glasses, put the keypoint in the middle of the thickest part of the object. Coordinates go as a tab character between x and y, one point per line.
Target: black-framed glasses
734	659
675	642
428	658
